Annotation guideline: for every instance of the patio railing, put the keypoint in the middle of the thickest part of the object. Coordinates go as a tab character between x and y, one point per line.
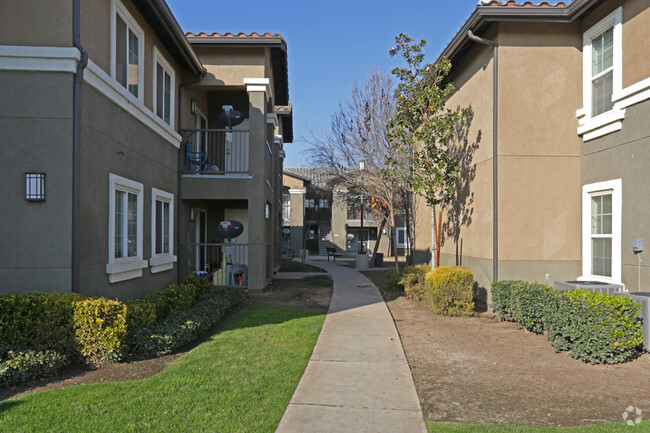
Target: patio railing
225	264
216	151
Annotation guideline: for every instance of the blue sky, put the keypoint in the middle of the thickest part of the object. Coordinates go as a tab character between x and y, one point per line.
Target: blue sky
330	44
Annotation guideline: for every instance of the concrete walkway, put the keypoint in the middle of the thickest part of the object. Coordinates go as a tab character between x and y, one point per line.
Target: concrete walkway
358	379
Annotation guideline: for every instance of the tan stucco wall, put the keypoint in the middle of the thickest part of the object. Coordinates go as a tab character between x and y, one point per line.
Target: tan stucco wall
229	67
96	38
36	23
636	41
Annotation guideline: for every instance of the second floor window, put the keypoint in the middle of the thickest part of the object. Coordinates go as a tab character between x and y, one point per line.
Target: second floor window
602	72
163	88
128	54
286	207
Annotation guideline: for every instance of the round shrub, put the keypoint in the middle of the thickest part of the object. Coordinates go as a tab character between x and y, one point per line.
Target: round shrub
450	290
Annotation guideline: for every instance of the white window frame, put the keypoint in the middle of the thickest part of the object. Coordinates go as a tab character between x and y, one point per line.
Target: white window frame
158	59
165	261
118	8
124	268
613	187
609	121
403	244
286	207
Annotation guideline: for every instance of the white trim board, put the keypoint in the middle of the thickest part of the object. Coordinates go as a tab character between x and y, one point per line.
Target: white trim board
47	59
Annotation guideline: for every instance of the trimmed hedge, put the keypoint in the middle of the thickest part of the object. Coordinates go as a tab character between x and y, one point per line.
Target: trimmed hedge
450	290
17	366
182	327
594	327
414	282
146	311
43	321
100	328
91	328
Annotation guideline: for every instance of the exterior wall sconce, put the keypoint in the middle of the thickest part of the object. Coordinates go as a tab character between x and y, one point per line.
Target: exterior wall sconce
35	186
192	214
267	211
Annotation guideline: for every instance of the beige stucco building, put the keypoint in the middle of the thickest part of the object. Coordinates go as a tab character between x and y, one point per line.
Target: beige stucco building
117	170
554	162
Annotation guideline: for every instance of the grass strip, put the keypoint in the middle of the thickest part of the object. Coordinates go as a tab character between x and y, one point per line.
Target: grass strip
239	380
617	427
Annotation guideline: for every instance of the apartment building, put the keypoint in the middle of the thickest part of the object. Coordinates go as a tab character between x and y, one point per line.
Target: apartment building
117	168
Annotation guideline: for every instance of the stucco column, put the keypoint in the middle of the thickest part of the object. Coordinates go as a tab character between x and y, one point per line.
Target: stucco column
258	94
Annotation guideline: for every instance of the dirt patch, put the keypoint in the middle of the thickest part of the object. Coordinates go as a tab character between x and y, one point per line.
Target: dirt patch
481	370
291	266
283	293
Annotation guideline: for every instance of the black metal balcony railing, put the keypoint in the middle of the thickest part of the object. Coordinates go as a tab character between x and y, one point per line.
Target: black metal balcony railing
224	264
217	151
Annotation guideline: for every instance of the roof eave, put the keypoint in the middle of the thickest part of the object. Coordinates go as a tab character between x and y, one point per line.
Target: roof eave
165	17
486	14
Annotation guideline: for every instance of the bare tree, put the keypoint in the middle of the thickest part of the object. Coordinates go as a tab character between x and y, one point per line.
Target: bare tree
358	133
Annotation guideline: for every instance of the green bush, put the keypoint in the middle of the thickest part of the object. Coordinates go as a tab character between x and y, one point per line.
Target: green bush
100	328
393	279
450	290
414	281
22	365
41	321
145	311
181	327
596	328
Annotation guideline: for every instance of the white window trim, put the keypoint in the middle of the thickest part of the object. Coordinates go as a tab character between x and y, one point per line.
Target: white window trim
118	8
401	245
162	262
159	59
614	187
124	268
591	127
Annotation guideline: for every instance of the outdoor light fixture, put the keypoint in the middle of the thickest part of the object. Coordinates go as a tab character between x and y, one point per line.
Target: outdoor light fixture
35	186
267	211
192	214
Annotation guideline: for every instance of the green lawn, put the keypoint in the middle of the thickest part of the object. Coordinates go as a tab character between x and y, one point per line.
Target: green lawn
240	380
617	427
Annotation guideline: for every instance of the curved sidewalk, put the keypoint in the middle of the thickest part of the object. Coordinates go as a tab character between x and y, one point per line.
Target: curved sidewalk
358	379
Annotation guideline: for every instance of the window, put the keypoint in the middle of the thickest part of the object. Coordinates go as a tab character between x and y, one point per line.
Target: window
163	88
324	203
602	78
286	207
162	231
601	240
602	60
127	40
402	238
125	229
309	203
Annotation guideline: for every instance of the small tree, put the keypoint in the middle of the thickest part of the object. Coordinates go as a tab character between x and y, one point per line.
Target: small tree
423	127
358	133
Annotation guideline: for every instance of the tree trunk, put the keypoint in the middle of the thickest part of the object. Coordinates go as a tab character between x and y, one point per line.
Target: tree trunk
379	234
392	217
438	238
304	243
434	236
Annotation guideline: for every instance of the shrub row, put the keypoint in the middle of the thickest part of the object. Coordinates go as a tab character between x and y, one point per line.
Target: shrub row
93	328
413	281
183	326
146	311
449	290
17	366
594	327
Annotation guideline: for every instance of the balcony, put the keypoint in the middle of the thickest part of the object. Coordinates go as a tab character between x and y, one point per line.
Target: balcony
216	152
224	264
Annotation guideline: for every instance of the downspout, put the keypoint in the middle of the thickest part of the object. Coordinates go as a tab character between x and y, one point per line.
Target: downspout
76	138
495	137
179	117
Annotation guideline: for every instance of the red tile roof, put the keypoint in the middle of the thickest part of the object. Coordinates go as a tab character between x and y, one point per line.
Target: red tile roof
528	3
233	35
